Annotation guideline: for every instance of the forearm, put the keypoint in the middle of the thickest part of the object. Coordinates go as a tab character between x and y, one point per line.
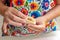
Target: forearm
55	12
3	8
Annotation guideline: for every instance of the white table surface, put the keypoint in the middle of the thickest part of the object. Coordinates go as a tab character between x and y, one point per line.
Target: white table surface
47	36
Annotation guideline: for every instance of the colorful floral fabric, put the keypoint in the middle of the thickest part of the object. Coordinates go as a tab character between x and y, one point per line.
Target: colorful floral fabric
32	8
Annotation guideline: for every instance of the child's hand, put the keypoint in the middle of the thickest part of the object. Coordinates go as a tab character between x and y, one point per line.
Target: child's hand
13	17
40	25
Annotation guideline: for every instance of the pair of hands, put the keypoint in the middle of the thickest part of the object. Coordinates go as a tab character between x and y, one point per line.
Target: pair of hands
16	18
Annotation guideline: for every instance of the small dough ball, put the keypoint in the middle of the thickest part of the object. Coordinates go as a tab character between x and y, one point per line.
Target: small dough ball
31	20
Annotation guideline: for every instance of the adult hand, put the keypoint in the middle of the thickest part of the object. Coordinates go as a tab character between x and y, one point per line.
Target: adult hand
39	26
13	17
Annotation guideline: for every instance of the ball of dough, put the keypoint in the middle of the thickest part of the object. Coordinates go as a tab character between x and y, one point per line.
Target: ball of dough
30	20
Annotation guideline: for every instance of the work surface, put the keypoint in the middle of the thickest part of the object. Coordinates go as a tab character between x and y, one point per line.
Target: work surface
47	36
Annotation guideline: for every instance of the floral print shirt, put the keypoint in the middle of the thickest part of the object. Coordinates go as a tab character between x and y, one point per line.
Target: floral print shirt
32	8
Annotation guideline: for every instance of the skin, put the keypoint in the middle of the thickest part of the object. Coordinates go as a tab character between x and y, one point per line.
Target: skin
49	16
9	15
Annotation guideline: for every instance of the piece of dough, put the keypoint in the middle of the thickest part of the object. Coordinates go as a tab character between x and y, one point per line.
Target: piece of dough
30	20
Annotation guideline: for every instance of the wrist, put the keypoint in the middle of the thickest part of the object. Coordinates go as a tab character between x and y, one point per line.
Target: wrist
46	18
43	19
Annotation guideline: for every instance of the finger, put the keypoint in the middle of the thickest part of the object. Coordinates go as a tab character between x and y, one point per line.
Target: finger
16	19
18	13
36	27
13	23
30	27
36	30
5	27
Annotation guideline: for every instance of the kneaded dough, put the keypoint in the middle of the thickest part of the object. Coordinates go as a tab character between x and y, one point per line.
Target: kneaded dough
30	20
